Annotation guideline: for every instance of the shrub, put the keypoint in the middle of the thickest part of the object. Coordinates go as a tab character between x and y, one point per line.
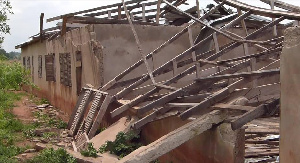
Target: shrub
13	75
90	152
53	156
123	145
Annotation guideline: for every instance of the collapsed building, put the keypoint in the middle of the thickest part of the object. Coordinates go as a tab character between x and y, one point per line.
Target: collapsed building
199	86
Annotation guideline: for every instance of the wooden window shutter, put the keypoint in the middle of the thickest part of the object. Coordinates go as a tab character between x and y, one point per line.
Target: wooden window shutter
40	66
49	66
65	69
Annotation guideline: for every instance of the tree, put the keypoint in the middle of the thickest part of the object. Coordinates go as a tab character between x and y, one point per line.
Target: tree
5	10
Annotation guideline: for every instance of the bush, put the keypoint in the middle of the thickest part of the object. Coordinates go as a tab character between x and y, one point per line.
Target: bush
53	156
13	75
123	145
90	152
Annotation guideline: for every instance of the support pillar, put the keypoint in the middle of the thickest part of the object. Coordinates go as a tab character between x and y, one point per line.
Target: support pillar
290	95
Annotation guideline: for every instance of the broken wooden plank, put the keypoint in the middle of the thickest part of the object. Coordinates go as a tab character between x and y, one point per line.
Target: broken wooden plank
174	139
262	131
272	152
253	114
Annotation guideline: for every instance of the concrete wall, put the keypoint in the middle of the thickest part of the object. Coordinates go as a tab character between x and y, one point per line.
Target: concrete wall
217	145
290	93
107	50
61	96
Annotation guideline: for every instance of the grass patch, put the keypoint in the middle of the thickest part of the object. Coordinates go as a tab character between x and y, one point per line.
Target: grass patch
10	128
12	76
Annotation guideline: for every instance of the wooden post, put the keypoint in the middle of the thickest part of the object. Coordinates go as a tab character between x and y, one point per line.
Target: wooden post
198	8
175	70
144	13
41	26
197	64
119	12
109	14
64	26
242	21
158	11
274	27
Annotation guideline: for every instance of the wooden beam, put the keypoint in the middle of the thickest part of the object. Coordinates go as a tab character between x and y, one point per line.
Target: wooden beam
274	27
253	114
175	37
64	26
139	45
242	21
241	74
41	26
180	91
262	11
119	12
198	8
144	12
201	22
216	97
194	53
93	9
158	11
283	5
272	51
175	138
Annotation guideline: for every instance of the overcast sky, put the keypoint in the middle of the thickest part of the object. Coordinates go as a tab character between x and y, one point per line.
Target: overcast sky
25	21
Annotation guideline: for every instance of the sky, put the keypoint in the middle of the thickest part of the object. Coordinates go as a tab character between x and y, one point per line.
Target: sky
25	20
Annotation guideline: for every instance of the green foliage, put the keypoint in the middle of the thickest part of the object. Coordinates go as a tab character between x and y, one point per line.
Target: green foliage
53	156
90	152
13	75
6	9
10	55
123	145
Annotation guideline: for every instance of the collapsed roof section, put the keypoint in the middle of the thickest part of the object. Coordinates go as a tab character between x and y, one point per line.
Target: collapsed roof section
215	81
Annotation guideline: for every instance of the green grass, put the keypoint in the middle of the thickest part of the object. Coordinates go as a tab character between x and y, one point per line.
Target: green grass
12	76
10	128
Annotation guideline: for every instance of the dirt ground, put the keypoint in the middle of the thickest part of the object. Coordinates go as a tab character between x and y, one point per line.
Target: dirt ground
24	111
